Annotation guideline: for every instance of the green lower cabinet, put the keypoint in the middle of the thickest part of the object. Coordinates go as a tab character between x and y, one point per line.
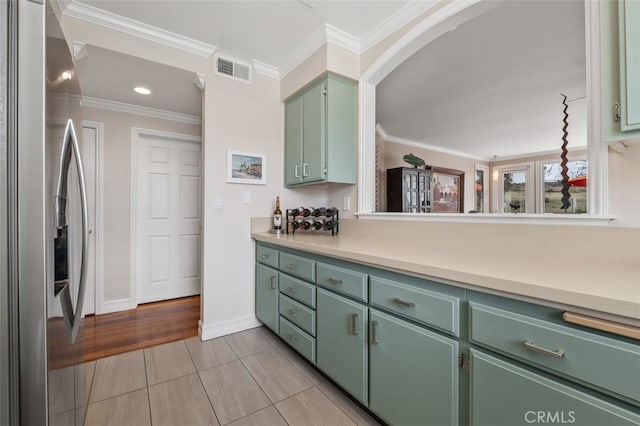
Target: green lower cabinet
341	341
267	296
413	373
505	394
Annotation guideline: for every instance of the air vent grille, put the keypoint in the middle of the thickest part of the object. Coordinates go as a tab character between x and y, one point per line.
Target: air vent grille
233	69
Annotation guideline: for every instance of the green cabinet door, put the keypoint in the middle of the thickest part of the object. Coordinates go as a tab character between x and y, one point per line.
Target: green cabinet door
313	130
267	296
413	373
341	342
629	19
293	141
505	394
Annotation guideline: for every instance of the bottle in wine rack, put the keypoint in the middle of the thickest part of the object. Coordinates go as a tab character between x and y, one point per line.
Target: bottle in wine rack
303	211
318	224
294	212
306	224
328	225
277	216
295	224
330	211
319	212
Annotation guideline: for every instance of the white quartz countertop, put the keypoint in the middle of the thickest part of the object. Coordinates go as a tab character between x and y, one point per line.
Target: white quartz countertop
595	271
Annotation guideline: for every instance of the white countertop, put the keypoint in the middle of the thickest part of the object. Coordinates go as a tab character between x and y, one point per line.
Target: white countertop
586	270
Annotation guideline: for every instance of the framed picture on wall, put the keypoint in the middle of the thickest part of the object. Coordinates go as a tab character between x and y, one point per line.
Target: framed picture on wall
244	167
448	190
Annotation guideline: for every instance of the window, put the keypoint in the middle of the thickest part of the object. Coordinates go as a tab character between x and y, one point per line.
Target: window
514	188
551	185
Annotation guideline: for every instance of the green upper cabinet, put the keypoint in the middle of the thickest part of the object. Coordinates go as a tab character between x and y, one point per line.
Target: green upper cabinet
321	133
621	69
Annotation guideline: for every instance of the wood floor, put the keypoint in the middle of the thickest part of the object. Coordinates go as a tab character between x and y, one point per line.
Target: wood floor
111	334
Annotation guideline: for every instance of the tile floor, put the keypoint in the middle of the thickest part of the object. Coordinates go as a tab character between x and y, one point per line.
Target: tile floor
247	378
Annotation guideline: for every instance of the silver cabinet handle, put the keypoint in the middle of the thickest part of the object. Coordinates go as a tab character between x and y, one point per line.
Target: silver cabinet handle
535	348
296	171
292	338
70	146
291	290
293	312
264	256
304	170
404	303
354	324
272	279
334	281
292	266
374	333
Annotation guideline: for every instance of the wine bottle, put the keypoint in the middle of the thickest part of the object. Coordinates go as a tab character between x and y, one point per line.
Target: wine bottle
295	224
305	224
304	212
328	225
319	212
294	213
318	224
329	212
277	216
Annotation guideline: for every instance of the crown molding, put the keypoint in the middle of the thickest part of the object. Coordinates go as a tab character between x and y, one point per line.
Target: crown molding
265	69
89	102
399	19
138	29
393	139
342	39
305	49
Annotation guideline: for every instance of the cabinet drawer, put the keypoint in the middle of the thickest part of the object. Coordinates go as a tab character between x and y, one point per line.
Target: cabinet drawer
504	394
434	309
298	339
602	362
298	314
267	256
299	290
300	267
343	281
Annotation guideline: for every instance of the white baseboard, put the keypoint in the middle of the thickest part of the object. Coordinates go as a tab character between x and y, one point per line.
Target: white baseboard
116	305
211	331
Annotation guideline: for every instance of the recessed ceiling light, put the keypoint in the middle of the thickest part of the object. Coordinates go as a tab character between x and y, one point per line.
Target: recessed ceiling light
142	90
66	75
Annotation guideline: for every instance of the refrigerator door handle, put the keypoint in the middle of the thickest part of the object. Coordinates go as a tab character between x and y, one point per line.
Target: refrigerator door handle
70	146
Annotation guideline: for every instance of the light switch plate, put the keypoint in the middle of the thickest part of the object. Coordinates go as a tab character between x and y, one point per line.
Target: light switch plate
346	203
217	202
246	197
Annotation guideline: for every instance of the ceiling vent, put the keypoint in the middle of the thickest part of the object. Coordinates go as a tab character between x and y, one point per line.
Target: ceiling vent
233	69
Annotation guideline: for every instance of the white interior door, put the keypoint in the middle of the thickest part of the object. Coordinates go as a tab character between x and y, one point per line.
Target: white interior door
89	156
167	218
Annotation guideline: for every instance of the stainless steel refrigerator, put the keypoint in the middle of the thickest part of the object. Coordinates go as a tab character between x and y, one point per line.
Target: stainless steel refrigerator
43	224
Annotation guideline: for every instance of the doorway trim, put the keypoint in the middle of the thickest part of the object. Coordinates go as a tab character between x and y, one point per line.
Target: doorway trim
136	134
98	232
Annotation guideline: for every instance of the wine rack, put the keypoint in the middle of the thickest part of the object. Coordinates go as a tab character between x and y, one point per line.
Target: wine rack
321	220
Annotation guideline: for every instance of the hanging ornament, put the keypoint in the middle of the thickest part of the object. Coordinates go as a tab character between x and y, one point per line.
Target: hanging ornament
566	197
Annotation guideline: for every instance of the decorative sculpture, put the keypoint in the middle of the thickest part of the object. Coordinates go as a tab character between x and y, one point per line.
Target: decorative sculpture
414	160
566	197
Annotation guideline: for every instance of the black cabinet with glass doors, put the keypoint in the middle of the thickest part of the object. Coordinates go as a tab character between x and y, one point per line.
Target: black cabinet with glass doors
409	190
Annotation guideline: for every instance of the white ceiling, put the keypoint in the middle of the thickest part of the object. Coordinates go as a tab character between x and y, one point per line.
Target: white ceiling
489	88
110	75
492	86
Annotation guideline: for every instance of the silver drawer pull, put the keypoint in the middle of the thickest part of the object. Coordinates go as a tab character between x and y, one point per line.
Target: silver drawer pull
374	333
292	266
292	338
264	256
354	324
293	312
334	281
291	290
273	282
404	303
533	347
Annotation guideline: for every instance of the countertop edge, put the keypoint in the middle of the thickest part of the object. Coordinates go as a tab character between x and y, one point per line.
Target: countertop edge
609	308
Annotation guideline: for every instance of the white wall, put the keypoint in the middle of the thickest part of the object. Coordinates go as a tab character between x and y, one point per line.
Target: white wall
624	185
248	118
